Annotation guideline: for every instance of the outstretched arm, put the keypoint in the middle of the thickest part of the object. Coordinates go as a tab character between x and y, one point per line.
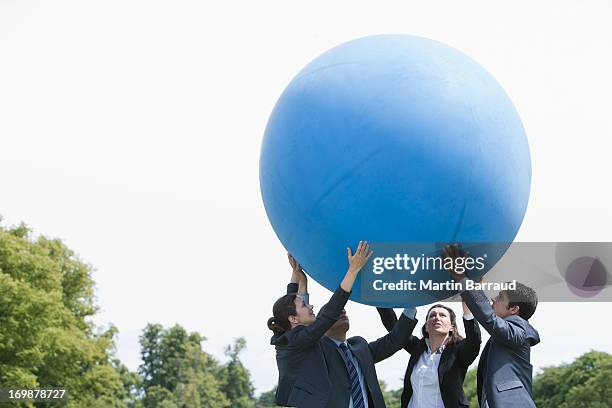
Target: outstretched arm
299	281
400	336
477	302
330	313
470	347
500	329
389	320
388	317
356	262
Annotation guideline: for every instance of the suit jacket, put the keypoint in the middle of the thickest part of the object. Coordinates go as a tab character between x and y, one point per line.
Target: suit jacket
454	361
504	369
312	370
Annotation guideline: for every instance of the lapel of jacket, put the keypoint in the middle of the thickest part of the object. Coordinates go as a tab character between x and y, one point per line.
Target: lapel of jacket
338	351
358	353
414	358
446	360
482	368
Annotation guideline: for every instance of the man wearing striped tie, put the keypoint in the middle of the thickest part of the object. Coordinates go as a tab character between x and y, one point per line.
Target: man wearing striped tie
350	362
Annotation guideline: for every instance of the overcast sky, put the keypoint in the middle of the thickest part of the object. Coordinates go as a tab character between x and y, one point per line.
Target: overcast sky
132	129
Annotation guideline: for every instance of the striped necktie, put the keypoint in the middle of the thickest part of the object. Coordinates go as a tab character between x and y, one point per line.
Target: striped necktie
356	391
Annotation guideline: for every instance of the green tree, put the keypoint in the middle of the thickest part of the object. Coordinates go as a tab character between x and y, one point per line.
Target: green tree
46	336
596	392
393	399
583	383
469	388
132	384
266	399
176	371
236	378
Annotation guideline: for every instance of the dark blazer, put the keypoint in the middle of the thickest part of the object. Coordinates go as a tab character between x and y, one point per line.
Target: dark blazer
454	361
504	369
311	368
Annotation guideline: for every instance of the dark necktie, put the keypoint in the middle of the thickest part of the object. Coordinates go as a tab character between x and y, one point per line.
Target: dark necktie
356	391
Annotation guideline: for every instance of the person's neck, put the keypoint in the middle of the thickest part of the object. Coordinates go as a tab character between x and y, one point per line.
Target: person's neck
436	341
336	335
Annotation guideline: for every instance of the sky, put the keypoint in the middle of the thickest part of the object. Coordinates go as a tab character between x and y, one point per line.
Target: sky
132	129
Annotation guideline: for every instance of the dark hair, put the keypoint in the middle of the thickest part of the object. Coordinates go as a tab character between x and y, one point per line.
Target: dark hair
525	298
282	309
453	334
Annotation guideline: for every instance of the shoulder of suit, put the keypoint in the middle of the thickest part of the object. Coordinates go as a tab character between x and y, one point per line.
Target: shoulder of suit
286	338
517	320
356	340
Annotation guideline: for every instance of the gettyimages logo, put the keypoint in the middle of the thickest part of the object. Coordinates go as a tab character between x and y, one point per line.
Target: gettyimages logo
417	273
411	264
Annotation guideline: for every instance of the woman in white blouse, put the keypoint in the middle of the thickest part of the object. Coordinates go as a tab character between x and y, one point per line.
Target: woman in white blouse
439	360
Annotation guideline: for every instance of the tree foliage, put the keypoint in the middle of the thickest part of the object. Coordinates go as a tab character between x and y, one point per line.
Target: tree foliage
177	371
583	383
236	378
46	337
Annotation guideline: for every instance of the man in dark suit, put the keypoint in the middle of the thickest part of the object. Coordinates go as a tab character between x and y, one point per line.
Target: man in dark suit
339	372
350	362
504	370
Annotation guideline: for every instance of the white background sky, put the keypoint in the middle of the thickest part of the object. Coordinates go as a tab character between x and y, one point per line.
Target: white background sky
132	129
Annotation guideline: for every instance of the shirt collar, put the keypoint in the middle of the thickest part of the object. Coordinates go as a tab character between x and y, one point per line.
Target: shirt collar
440	350
338	342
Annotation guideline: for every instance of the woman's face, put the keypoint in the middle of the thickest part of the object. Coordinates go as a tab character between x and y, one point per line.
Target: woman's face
438	321
304	314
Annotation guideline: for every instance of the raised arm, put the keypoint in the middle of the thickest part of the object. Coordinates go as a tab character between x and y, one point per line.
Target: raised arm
390	321
477	302
502	330
470	347
388	317
330	313
356	262
400	335
299	281
466	311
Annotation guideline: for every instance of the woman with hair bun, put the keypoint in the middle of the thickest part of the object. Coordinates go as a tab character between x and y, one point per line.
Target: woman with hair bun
297	333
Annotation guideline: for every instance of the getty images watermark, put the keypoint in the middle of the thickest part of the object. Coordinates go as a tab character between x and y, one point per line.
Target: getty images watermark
422	263
417	272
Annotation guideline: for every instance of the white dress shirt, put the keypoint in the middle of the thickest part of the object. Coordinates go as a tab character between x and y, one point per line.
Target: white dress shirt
424	378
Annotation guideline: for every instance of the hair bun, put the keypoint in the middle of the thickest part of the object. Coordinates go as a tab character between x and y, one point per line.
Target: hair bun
272	324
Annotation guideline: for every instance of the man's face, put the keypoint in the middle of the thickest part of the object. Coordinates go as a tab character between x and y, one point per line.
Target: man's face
501	305
342	324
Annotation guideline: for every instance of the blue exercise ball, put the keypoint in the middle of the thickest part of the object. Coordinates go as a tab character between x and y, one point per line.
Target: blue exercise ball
392	138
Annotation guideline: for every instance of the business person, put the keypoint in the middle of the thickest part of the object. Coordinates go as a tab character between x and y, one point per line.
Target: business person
318	366
505	372
439	360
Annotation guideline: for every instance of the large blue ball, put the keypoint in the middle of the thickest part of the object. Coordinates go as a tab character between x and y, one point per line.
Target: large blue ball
391	138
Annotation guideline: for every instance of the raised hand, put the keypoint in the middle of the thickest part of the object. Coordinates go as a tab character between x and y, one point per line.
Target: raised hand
356	262
455	252
297	275
360	258
294	264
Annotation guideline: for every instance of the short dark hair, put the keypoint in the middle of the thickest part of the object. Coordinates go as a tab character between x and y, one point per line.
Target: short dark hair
282	309
453	336
525	298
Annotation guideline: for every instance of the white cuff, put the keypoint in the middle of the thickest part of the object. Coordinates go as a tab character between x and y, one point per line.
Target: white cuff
410	312
468	316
